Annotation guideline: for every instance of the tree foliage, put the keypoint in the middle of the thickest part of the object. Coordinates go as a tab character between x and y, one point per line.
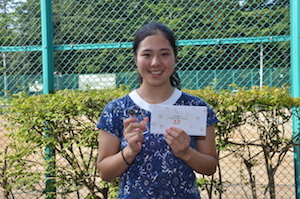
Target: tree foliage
66	122
268	112
91	22
69	119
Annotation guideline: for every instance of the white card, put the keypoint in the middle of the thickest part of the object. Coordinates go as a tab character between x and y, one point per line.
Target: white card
191	119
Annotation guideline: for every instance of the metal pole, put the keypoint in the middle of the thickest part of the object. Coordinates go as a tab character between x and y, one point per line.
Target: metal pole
5	74
48	88
47	43
261	71
295	63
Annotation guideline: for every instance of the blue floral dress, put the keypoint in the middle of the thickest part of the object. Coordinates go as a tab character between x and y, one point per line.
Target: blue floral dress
155	173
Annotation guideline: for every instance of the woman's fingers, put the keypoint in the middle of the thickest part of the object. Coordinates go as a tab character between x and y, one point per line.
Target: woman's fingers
133	133
131	123
128	121
178	140
177	135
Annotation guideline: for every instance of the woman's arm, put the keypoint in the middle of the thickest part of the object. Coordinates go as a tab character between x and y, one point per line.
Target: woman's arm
204	158
110	163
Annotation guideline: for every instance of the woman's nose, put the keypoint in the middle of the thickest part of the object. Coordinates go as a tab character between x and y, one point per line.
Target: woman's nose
156	61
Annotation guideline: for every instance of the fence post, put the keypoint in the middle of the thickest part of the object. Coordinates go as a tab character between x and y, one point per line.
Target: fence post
295	66
48	87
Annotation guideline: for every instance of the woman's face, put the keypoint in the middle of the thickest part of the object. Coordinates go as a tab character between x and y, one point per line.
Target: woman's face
155	60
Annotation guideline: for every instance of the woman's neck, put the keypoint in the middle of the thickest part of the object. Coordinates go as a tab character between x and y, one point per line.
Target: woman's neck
155	95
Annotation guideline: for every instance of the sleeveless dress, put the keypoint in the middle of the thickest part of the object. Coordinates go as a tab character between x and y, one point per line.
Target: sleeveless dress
155	173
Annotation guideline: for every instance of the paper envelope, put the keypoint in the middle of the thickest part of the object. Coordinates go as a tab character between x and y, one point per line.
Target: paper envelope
191	119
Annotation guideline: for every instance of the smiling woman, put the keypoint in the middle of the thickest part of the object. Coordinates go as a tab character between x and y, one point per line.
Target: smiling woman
150	30
151	165
155	60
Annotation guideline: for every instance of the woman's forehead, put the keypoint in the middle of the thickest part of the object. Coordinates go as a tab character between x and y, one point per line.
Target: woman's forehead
156	42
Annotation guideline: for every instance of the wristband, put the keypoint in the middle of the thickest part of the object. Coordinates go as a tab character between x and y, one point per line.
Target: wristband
124	158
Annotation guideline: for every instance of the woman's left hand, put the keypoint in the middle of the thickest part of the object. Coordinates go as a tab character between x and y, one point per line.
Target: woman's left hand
179	141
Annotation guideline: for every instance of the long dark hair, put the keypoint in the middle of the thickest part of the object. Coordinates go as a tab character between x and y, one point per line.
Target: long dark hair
152	29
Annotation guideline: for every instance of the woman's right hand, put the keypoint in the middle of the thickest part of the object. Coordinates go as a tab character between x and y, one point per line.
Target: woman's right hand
133	133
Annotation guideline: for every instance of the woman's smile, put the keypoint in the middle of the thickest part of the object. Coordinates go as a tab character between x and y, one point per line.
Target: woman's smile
155	72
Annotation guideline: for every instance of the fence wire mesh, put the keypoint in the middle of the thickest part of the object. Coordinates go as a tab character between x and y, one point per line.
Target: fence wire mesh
221	42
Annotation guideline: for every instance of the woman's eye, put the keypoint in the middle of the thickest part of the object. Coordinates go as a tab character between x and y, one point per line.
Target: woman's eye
165	54
146	55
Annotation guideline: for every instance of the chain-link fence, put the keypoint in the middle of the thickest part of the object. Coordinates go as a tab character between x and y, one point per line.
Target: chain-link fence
221	42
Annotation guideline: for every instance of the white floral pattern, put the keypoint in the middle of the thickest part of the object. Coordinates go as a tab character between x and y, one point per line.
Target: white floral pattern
156	173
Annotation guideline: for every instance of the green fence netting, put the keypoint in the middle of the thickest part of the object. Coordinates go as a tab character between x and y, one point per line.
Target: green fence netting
224	36
221	42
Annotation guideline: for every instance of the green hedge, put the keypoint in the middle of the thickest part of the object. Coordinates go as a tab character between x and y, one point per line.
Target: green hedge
66	121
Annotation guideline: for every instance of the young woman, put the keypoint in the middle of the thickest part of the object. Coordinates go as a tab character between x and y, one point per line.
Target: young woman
154	165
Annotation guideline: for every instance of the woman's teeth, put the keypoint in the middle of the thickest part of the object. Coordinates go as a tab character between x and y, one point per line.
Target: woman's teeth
155	72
